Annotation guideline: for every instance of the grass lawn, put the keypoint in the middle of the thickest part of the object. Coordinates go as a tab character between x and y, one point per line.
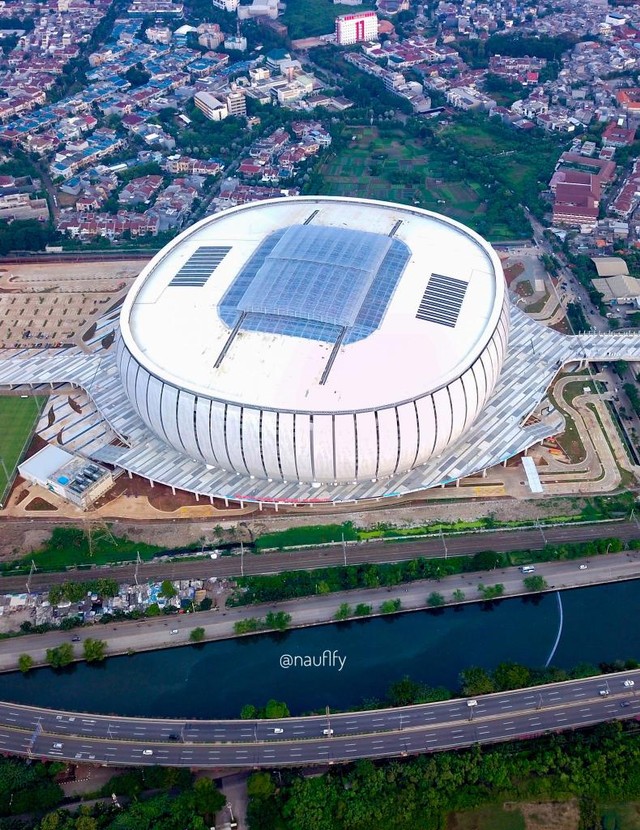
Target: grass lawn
17	420
69	547
310	18
372	167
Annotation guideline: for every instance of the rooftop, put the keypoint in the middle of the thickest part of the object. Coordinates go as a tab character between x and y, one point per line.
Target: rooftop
315	304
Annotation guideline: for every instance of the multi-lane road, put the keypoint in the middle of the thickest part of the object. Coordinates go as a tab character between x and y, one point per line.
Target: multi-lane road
506	716
310	558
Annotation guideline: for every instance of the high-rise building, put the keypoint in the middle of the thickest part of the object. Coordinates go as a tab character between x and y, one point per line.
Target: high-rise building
236	102
357	27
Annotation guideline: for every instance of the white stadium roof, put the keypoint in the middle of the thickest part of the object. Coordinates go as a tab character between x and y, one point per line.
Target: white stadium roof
240	307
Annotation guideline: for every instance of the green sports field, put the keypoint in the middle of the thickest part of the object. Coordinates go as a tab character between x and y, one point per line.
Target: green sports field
17	420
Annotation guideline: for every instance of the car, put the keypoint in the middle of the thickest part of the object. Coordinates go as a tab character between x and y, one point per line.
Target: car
327	732
603	692
173	737
472	703
57	746
147	752
625	703
75	639
583	567
278	731
629	683
174	631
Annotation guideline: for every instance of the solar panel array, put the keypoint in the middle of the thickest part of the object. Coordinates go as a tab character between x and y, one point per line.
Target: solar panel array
200	266
442	300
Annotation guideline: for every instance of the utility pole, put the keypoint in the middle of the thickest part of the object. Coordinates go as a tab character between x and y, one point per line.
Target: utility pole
138	562
241	558
344	550
31	570
444	544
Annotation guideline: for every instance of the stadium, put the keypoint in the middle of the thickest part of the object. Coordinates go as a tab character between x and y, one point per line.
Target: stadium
319	341
317	349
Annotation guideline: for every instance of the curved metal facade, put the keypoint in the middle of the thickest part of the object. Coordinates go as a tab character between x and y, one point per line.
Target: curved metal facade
310	447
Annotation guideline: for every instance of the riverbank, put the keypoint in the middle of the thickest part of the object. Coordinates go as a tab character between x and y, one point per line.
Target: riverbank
155	634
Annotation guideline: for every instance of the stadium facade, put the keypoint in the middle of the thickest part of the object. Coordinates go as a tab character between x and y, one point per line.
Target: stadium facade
317	349
332	342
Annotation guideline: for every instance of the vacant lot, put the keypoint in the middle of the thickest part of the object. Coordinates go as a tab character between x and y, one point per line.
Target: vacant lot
552	815
472	170
309	18
399	169
17	420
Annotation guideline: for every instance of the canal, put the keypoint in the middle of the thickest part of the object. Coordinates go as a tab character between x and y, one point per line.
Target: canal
215	680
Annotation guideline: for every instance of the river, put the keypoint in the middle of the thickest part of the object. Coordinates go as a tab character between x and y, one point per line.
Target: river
214	680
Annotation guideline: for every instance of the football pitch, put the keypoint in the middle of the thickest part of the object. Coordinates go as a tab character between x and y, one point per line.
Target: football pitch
17	420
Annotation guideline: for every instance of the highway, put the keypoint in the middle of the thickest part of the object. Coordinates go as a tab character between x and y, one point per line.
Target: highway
356	553
505	716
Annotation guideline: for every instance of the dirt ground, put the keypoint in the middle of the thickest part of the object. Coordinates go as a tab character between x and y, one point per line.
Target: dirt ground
47	305
19	537
552	815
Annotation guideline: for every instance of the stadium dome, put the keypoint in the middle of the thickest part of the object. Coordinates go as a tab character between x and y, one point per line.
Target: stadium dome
315	339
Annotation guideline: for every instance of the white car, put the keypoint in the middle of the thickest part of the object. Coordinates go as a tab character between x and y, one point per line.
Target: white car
174	630
604	692
147	752
278	731
583	567
327	732
628	683
57	746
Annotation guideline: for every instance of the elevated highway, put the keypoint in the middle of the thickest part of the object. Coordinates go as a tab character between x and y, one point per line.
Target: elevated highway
505	716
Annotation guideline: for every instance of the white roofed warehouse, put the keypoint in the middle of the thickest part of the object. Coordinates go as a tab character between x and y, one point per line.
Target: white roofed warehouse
315	340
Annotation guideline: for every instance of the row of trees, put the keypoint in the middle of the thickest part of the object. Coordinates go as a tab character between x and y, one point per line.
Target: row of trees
598	765
292	584
274	621
58	657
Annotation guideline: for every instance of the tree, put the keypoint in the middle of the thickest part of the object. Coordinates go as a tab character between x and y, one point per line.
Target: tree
60	656
487	560
278	621
390	606
276	709
207	798
458	595
25	663
94	650
260	785
362	609
168	590
405	692
197	635
476	681
435	600
344	612
511	676
248	712
489	592
86	823
137	75
535	583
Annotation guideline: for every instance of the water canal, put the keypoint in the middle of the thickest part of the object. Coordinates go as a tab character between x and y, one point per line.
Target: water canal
216	679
